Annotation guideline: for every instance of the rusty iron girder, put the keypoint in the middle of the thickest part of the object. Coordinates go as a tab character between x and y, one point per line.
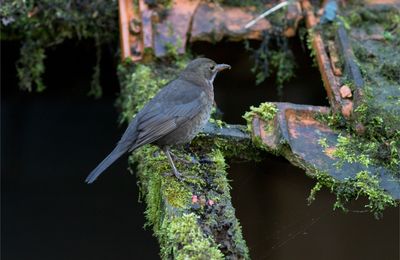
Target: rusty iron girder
148	30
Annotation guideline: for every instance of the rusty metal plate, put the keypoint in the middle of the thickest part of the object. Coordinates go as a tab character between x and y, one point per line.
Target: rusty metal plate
213	22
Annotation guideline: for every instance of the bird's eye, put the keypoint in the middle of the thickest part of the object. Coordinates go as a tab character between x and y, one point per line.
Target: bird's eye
212	67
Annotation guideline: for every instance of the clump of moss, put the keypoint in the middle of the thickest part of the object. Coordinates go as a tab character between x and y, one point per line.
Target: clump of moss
378	145
377	151
44	23
274	57
182	238
364	184
243	149
266	111
373	153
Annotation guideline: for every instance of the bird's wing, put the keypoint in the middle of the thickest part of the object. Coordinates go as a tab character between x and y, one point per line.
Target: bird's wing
175	105
163	120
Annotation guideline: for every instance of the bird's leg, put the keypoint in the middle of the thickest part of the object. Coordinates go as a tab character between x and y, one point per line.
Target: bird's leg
171	162
193	161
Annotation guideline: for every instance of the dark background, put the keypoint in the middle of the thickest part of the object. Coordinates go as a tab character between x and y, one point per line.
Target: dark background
50	141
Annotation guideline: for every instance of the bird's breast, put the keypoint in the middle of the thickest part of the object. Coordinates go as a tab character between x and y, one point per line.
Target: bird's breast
188	130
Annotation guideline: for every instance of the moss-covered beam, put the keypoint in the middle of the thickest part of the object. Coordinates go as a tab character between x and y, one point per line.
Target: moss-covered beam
194	218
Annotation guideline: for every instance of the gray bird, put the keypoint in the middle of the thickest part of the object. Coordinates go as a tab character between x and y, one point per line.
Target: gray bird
173	117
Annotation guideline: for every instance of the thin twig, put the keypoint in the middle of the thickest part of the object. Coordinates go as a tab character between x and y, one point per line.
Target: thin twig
269	11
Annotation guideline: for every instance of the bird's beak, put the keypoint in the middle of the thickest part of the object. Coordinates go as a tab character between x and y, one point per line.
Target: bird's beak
221	67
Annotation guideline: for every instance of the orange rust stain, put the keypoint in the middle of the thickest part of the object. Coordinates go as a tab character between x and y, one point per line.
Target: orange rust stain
382	2
345	91
293	132
304	118
329	152
263	134
347	109
213	22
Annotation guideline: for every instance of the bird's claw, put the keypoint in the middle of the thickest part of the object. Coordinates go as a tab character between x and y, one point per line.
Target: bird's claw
177	174
177	158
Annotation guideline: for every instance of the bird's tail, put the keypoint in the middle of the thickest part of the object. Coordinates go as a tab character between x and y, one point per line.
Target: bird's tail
112	157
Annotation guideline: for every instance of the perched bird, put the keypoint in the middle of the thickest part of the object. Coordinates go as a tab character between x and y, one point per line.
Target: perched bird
174	116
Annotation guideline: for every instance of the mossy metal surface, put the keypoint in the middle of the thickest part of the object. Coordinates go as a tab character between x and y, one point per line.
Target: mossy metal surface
193	219
330	155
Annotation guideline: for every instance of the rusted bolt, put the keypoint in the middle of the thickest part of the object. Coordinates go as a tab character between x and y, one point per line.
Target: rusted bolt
134	27
135	50
347	109
345	91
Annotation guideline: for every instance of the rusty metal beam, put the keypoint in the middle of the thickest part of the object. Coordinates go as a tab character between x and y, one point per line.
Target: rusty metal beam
145	29
130	31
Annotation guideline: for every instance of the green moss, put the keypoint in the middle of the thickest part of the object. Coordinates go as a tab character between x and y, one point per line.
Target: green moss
378	145
182	238
309	42
372	147
284	65
369	186
231	148
217	122
176	194
372	154
169	203
266	111
323	143
30	66
363	185
273	57
378	111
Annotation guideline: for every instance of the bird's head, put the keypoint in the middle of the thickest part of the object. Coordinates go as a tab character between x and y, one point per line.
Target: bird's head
202	69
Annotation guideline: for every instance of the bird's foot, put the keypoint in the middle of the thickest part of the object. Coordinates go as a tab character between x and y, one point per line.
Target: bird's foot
177	158
177	174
